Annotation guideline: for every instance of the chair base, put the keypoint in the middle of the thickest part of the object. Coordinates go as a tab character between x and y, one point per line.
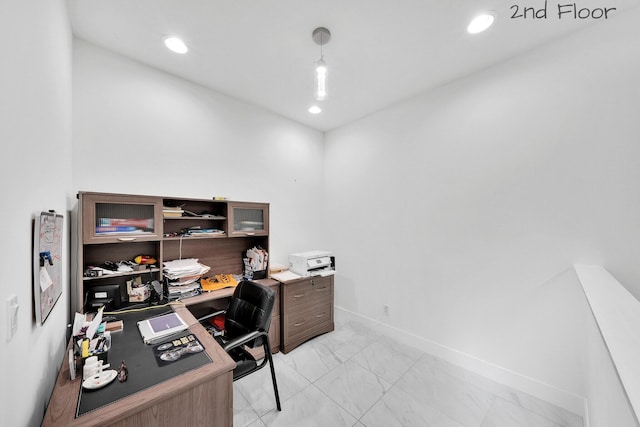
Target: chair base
246	364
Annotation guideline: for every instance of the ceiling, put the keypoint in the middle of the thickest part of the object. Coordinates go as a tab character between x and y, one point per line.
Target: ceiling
380	52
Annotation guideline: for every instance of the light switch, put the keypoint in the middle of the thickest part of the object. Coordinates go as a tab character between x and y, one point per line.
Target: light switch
12	316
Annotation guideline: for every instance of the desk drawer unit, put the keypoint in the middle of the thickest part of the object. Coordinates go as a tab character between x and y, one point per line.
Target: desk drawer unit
306	310
274	329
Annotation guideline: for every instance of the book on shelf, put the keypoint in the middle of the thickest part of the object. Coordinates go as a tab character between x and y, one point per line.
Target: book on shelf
144	223
205	232
103	229
172	212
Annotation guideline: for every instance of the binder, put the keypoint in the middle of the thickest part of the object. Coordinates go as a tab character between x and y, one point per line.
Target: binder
158	328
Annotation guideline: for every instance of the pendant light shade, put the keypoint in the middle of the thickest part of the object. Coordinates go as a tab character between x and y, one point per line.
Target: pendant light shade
321	80
321	36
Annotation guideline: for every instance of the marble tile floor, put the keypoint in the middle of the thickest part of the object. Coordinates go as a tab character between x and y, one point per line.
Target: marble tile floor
355	377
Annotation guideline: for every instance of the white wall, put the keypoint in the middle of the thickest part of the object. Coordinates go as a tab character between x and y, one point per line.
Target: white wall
608	403
141	131
612	377
463	208
35	133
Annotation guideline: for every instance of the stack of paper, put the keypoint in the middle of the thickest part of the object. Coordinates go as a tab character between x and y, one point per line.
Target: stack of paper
172	211
184	268
176	292
183	275
285	276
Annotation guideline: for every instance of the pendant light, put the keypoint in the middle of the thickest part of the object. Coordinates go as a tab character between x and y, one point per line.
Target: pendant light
321	36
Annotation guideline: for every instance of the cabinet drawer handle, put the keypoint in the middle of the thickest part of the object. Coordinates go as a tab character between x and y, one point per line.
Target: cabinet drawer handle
320	315
126	239
250	234
298	296
295	325
326	288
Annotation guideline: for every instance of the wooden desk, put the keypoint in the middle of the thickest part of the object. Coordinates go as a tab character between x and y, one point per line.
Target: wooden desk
202	396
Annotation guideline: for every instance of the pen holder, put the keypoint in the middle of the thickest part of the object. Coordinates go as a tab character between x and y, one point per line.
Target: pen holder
259	274
98	347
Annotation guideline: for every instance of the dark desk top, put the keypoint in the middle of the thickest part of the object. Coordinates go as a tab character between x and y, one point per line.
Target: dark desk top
62	406
144	370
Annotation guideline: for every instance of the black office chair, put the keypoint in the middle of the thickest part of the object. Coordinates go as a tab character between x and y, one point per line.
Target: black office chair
246	325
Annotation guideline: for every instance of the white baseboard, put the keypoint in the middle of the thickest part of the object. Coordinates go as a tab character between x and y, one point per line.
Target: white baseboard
546	392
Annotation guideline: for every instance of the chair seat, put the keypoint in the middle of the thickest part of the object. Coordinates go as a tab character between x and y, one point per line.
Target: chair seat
243	367
245	362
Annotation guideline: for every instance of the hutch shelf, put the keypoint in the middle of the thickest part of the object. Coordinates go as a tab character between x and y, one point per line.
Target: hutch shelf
119	227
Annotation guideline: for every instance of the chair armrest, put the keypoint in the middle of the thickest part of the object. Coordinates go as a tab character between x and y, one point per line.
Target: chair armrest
243	339
209	316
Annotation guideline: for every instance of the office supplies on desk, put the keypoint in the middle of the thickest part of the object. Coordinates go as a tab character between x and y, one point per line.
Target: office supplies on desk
184	271
156	329
95	324
148	389
177	349
285	276
255	262
114	326
93	366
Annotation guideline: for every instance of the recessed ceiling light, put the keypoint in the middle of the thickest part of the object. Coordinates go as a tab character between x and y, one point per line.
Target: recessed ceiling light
176	45
480	23
314	109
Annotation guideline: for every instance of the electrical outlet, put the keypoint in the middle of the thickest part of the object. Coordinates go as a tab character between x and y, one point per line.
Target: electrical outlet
386	309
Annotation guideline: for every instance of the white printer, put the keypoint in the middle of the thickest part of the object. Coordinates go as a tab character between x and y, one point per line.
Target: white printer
312	263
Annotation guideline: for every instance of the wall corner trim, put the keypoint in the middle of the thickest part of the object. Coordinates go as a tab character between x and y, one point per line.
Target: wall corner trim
617	314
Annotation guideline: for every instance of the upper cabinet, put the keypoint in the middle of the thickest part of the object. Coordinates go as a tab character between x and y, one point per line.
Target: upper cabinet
194	218
112	218
248	219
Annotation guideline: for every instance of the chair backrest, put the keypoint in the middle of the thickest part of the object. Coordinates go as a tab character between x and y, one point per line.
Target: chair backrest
249	310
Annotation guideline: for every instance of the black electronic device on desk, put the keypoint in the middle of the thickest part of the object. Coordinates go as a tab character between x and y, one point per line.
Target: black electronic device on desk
143	370
107	296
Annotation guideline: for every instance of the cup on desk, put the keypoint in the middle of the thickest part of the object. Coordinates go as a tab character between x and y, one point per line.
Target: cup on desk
98	347
90	365
93	366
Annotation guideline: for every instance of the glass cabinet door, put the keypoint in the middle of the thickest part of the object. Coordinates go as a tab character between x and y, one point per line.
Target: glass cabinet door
248	219
123	219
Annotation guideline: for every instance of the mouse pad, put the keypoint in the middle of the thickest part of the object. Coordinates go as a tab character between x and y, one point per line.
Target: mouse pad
177	349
